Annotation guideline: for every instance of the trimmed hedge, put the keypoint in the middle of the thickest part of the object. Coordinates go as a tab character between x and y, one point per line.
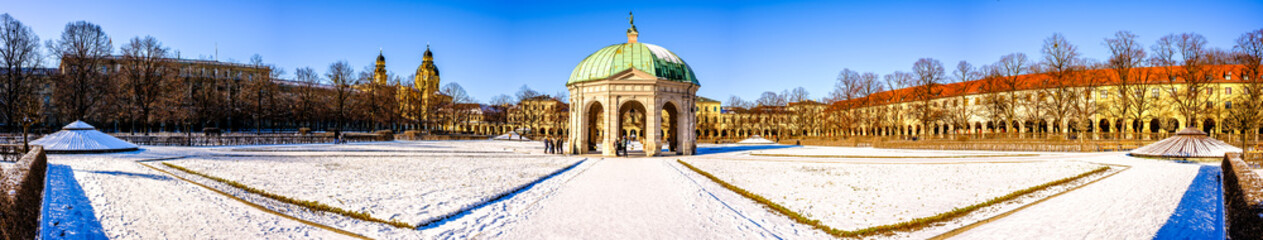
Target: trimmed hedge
1243	199
23	195
909	225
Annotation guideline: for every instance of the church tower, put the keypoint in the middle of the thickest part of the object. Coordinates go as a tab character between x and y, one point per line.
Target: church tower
427	78
379	74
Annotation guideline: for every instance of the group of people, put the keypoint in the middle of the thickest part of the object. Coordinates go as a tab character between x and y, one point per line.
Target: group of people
552	145
622	145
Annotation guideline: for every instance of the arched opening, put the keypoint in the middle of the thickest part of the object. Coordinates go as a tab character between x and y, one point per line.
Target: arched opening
1172	125
1105	125
1155	125
670	133
596	125
631	122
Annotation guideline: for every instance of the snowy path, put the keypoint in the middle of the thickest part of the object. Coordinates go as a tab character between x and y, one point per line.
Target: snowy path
649	198
1133	204
131	201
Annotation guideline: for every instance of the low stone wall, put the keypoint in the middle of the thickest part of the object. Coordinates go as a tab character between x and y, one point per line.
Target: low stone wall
1243	199
22	194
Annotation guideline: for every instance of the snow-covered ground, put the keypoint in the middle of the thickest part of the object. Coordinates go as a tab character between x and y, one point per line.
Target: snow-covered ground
114	196
823	151
410	189
1133	204
130	201
855	196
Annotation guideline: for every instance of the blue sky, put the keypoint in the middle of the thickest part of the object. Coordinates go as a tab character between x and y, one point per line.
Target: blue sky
737	48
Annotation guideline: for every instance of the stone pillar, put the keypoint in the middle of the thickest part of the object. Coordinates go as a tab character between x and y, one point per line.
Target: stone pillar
611	126
653	125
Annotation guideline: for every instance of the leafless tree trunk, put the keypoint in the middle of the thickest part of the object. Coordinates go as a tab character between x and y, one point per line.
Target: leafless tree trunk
929	78
81	85
1185	59
1249	53
342	77
1060	61
19	58
145	73
1126	54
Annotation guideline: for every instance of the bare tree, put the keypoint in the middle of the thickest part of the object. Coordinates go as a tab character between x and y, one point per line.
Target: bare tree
1126	55
144	72
958	110
771	99
526	92
896	113
343	78
456	92
1249	53
843	96
928	87
1187	83
1060	62
19	58
735	101
799	94
81	86
307	79
1011	68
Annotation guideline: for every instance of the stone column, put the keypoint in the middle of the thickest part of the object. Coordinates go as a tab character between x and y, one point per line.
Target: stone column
611	126
653	124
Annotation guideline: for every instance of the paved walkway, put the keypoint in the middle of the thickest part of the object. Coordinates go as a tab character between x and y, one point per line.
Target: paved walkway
647	198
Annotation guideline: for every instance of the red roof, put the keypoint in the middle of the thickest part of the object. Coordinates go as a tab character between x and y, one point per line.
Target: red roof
1032	81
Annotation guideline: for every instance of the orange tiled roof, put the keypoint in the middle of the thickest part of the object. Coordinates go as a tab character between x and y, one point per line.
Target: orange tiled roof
1027	82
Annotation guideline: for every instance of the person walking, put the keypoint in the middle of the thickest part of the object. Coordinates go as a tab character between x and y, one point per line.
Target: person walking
548	146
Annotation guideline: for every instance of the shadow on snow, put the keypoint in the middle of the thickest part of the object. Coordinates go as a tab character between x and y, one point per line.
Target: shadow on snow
738	148
1200	214
67	212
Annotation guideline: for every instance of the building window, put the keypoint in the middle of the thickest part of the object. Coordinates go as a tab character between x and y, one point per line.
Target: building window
1155	92
1105	94
1227	105
1228	90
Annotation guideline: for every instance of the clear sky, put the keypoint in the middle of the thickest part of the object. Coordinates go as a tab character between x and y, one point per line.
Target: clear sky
737	48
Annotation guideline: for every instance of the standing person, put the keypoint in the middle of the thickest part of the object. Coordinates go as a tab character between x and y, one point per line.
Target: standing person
557	146
548	145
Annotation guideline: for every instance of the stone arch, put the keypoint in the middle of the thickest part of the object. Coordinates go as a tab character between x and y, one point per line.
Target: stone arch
1105	125
1155	125
670	130
593	133
631	120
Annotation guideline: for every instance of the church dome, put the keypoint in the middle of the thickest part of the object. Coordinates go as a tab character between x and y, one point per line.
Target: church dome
645	57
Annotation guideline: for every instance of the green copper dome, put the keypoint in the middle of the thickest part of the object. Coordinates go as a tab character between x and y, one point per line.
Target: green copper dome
645	57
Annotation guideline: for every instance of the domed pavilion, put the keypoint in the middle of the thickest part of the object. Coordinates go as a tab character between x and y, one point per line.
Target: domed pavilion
643	90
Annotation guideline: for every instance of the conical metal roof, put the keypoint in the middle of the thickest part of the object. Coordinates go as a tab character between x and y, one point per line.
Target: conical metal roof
79	137
1187	143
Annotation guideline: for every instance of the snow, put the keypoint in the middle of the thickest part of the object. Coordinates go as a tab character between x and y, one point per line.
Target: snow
1133	204
855	196
408	188
852	152
79	137
130	201
567	197
649	198
756	139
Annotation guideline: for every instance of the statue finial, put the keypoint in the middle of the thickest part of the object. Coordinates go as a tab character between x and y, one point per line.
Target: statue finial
631	18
